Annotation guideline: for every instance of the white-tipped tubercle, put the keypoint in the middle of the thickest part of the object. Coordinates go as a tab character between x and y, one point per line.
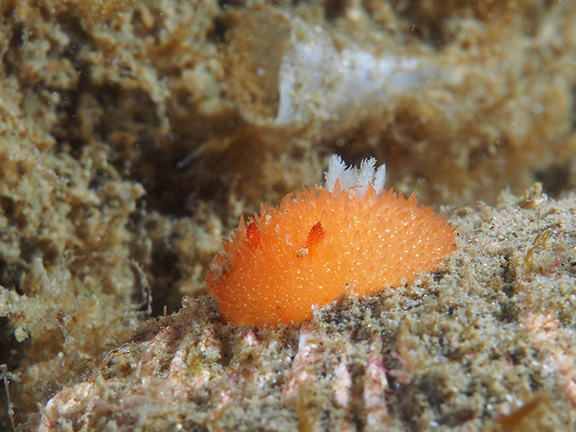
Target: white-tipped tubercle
355	177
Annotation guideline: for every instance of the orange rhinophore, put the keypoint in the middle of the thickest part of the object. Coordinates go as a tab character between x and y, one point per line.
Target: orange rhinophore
350	236
315	236
253	235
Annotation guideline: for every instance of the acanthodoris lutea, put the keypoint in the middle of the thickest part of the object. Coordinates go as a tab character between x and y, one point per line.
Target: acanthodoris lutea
348	237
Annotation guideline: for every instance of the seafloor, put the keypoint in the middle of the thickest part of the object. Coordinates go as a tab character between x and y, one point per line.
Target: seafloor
133	135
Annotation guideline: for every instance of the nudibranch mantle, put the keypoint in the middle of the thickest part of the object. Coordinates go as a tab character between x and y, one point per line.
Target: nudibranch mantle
351	236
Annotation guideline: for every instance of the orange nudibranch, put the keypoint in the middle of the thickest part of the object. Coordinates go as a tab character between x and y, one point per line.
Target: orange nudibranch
351	236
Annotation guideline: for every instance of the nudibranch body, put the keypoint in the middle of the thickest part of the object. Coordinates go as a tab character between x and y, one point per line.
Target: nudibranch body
350	236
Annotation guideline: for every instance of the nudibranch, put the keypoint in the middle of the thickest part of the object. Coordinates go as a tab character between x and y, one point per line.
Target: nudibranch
351	236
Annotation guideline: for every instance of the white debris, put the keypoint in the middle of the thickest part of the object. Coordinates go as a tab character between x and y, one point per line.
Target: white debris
319	81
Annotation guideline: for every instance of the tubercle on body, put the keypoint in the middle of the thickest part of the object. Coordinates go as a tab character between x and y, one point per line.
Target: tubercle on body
318	243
